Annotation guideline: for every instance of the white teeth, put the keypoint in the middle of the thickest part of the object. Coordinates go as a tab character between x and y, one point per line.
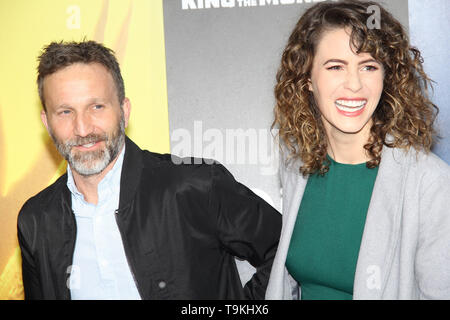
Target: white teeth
88	145
351	103
350	106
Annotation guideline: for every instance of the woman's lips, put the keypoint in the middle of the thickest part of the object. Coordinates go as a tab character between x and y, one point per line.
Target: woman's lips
350	107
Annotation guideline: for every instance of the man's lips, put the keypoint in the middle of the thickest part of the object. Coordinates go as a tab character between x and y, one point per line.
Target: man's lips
88	146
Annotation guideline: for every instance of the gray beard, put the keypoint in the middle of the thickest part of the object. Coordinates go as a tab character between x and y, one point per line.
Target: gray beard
90	163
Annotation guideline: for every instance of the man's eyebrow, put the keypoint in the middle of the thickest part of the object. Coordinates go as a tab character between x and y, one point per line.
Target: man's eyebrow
93	101
88	102
346	63
64	106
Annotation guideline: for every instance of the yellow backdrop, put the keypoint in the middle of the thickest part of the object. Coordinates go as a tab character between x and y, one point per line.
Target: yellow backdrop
28	160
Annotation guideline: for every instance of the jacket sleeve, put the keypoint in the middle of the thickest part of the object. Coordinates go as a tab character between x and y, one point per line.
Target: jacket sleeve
248	227
433	250
26	228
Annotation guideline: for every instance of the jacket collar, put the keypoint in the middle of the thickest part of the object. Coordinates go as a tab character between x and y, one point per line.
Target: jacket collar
131	173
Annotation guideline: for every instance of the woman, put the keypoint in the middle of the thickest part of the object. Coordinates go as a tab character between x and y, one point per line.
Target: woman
365	213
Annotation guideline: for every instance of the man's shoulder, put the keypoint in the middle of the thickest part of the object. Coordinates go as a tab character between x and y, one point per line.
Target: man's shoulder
165	161
175	168
43	197
171	161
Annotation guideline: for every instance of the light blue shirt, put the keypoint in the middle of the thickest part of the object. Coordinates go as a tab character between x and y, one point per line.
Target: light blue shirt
100	269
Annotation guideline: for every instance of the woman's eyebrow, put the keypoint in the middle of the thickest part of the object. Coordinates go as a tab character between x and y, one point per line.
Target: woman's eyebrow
346	63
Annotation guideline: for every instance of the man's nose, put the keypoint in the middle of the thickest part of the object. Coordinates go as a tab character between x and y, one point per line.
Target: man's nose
82	125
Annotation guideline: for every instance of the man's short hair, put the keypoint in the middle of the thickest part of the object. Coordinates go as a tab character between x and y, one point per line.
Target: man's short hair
58	55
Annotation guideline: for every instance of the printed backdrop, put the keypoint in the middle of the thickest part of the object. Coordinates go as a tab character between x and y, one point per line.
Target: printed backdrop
28	160
199	74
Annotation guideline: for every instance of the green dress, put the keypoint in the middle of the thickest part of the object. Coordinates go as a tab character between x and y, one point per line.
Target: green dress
327	235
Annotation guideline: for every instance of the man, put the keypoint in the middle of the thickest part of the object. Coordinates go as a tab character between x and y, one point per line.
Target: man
124	223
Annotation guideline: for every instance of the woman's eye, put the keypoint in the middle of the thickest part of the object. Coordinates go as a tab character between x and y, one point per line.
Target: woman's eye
370	68
334	68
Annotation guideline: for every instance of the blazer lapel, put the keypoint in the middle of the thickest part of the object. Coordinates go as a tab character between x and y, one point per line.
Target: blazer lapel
381	231
293	187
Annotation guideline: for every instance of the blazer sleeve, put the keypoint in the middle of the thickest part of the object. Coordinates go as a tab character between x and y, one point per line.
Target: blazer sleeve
433	251
26	228
248	227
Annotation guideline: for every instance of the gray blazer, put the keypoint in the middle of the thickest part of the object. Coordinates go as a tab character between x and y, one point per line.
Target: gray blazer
405	248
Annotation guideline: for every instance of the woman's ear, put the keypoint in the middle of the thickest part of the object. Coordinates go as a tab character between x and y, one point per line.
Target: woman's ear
310	88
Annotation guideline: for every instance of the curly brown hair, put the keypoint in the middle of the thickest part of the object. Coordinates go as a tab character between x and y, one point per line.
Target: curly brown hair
404	111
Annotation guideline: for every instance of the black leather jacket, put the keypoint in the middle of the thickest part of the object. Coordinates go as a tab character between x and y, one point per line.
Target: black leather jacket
181	226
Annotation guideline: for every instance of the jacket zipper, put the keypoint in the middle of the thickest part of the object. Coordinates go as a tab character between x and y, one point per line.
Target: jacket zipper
73	252
130	266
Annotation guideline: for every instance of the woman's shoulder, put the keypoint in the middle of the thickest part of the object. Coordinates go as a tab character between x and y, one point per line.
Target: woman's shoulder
429	161
426	165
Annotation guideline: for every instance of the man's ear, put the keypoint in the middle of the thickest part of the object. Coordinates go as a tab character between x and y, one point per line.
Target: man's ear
126	107
44	119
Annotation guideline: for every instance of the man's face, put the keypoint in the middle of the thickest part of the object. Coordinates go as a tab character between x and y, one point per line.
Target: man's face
84	116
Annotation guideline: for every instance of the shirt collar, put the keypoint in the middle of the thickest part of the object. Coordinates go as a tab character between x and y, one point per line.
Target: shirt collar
109	184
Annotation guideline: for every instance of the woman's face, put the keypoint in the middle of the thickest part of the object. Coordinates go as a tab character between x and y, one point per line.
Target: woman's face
346	86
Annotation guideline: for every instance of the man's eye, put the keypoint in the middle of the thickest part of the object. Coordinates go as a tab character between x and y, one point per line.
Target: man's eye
64	112
98	107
